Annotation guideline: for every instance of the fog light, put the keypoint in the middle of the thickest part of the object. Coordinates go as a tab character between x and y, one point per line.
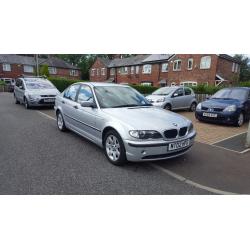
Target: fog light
143	152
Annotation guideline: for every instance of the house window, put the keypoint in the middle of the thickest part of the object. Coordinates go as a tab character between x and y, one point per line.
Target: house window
6	67
190	63
112	71
137	69
97	72
92	72
28	69
124	70
235	67
103	71
177	65
147	69
132	70
205	62
164	67
73	72
52	70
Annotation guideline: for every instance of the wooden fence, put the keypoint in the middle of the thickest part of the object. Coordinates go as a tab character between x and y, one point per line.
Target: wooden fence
4	88
202	97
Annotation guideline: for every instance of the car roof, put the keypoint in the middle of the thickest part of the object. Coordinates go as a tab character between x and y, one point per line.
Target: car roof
246	88
96	84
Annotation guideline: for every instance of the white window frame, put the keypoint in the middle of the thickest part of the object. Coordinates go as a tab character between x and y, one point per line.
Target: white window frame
97	72
93	72
137	69
188	83
103	72
164	67
73	72
205	62
52	70
27	68
132	70
235	67
124	70
147	69
192	63
112	71
6	67
177	65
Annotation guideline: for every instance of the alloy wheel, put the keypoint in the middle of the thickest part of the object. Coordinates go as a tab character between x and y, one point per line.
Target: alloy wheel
113	148
60	121
240	119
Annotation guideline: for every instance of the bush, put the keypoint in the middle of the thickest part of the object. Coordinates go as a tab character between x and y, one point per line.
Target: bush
62	83
144	89
244	84
2	82
206	89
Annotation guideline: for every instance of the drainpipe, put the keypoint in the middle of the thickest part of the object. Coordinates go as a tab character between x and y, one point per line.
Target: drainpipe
248	137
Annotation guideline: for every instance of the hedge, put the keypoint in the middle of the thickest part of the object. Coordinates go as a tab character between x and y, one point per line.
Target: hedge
2	82
62	83
144	89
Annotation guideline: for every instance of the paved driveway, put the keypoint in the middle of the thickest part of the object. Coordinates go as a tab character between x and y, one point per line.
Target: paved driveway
213	133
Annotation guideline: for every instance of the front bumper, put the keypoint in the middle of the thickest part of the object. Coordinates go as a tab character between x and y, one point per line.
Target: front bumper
156	150
222	117
40	103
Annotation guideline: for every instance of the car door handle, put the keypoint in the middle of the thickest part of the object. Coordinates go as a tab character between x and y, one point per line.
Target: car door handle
76	107
63	102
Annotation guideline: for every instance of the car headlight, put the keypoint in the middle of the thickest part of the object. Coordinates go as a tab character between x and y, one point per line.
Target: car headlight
198	106
145	134
230	108
34	97
190	128
161	99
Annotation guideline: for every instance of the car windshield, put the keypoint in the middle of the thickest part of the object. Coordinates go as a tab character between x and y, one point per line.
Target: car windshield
239	94
116	97
163	91
38	84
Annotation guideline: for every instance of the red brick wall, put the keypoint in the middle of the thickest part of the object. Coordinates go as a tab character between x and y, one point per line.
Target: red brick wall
98	64
224	69
17	71
196	74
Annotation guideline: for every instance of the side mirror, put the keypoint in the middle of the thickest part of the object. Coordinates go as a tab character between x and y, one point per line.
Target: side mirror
21	87
88	104
175	95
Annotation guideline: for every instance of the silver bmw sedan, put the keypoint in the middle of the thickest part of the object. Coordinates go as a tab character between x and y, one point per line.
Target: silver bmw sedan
123	122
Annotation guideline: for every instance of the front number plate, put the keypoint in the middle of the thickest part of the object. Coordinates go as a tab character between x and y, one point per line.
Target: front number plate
209	114
178	145
49	100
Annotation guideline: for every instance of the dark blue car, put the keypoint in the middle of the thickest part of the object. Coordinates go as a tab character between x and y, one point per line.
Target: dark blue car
228	106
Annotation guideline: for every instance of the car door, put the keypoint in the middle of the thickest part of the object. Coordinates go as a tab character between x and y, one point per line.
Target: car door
17	90
87	116
178	99
68	106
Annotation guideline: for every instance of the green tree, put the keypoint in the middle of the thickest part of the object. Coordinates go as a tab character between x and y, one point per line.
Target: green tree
244	67
44	70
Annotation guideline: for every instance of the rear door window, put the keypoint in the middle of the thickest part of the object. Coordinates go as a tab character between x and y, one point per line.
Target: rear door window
71	92
188	91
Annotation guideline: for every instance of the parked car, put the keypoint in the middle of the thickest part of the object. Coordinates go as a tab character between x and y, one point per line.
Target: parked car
228	106
122	121
35	91
10	82
174	98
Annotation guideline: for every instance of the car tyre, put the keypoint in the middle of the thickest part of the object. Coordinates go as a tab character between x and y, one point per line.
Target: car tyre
26	103
240	120
193	107
168	107
114	148
60	122
16	101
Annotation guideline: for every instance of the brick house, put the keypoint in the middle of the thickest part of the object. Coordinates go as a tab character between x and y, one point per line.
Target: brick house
13	66
168	69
